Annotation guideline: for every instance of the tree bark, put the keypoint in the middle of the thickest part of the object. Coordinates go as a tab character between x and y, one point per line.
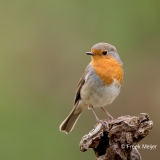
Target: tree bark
118	139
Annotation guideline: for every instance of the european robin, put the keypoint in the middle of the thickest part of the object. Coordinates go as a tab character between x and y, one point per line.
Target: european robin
99	85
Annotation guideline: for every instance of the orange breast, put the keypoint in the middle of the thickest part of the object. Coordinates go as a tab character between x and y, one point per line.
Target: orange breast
108	69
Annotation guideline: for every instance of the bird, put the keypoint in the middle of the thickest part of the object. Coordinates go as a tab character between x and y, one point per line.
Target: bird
100	84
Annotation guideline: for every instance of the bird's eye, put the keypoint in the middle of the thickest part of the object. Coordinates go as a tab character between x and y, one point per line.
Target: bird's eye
104	52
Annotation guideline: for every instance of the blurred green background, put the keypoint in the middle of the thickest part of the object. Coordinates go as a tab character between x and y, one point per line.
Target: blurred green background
42	57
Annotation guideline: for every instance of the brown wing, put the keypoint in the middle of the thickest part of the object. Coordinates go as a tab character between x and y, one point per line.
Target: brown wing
80	84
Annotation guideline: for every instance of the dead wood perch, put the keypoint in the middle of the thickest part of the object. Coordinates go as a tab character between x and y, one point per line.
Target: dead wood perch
114	139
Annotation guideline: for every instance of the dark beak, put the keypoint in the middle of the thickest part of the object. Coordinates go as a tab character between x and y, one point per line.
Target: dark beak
90	53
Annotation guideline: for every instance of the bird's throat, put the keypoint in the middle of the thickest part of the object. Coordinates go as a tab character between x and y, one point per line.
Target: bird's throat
108	69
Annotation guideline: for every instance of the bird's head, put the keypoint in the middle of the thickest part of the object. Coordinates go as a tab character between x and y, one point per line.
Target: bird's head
104	51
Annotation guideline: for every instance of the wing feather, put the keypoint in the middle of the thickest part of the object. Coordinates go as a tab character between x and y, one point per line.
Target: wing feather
80	85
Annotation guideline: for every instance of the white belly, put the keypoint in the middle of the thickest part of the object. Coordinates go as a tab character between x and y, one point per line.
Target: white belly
94	93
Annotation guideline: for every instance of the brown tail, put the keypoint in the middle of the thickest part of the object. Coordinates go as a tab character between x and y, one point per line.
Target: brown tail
69	123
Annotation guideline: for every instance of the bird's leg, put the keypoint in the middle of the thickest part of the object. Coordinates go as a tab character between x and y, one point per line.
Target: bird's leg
98	120
91	107
110	117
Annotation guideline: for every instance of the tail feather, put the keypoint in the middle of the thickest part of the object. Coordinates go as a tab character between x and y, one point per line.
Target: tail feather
69	123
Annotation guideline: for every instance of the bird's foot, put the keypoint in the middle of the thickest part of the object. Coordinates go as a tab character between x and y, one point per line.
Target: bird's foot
104	124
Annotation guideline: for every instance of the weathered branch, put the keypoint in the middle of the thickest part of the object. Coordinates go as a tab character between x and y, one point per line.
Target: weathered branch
117	139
